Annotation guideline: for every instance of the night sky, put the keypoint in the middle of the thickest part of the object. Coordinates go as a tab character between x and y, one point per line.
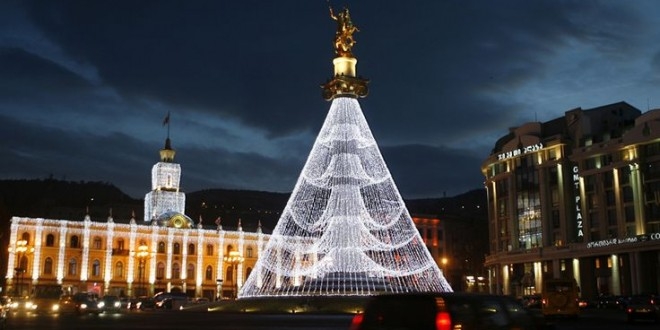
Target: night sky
85	85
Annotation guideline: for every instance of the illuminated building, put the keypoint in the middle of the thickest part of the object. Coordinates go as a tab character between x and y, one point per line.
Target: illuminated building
577	196
165	252
345	229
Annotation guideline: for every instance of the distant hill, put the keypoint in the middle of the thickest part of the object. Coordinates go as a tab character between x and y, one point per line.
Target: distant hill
58	199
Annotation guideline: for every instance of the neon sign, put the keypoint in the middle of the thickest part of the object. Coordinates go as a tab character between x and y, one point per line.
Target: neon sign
520	151
578	209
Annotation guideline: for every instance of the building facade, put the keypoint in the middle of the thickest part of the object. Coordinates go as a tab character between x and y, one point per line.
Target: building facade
165	252
577	197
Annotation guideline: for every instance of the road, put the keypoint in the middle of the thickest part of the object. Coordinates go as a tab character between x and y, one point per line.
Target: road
176	320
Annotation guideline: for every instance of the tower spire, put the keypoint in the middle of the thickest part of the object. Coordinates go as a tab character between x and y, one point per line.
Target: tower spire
345	81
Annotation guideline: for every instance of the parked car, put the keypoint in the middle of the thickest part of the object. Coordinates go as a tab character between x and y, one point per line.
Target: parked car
110	304
643	308
447	311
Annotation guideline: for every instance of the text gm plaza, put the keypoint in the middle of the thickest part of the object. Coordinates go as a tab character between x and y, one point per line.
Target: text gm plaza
578	197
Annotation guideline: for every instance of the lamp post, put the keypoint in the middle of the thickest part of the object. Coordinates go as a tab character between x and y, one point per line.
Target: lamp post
234	258
20	249
143	252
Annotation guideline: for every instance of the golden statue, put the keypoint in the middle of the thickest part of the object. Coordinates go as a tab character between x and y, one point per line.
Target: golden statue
344	37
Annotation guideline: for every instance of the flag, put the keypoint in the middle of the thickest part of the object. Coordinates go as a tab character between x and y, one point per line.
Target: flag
167	119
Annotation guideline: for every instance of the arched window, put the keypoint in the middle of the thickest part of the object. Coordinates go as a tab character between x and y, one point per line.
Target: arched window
50	240
161	247
209	249
176	271
97	243
209	273
229	249
96	268
248	251
229	274
176	249
190	272
26	237
73	242
48	266
160	271
73	266
191	249
119	270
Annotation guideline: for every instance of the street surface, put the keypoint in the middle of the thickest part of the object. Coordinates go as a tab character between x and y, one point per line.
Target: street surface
177	320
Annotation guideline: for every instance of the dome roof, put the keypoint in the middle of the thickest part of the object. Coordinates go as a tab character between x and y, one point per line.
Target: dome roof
175	220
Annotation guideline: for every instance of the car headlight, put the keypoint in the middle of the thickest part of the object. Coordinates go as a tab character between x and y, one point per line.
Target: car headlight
117	304
55	307
14	305
83	306
100	304
30	305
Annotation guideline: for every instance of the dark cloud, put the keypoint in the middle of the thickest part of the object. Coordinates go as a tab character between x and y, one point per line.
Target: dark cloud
241	80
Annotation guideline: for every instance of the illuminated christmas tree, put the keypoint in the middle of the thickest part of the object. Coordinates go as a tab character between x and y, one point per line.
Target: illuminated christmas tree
345	229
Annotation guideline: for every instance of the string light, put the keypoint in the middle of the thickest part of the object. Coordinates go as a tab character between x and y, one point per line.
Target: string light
345	229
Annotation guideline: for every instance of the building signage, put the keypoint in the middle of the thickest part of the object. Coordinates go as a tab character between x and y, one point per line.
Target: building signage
520	151
616	241
578	209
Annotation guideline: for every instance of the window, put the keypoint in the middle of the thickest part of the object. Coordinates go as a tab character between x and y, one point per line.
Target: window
176	271
249	252
98	243
209	250
120	244
73	266
50	240
191	249
160	270
176	249
229	274
190	271
161	247
119	270
209	273
96	268
73	242
26	237
48	266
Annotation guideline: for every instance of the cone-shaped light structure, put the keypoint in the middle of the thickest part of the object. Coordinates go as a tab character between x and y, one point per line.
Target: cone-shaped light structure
345	229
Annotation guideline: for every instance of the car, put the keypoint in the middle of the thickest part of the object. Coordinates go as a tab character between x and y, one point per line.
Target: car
110	303
142	303
643	308
22	305
607	302
4	308
436	311
80	303
532	301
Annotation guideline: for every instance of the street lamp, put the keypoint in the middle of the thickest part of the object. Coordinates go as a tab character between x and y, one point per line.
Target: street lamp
234	258
142	254
20	249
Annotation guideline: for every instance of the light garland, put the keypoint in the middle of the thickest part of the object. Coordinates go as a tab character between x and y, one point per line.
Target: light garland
345	229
